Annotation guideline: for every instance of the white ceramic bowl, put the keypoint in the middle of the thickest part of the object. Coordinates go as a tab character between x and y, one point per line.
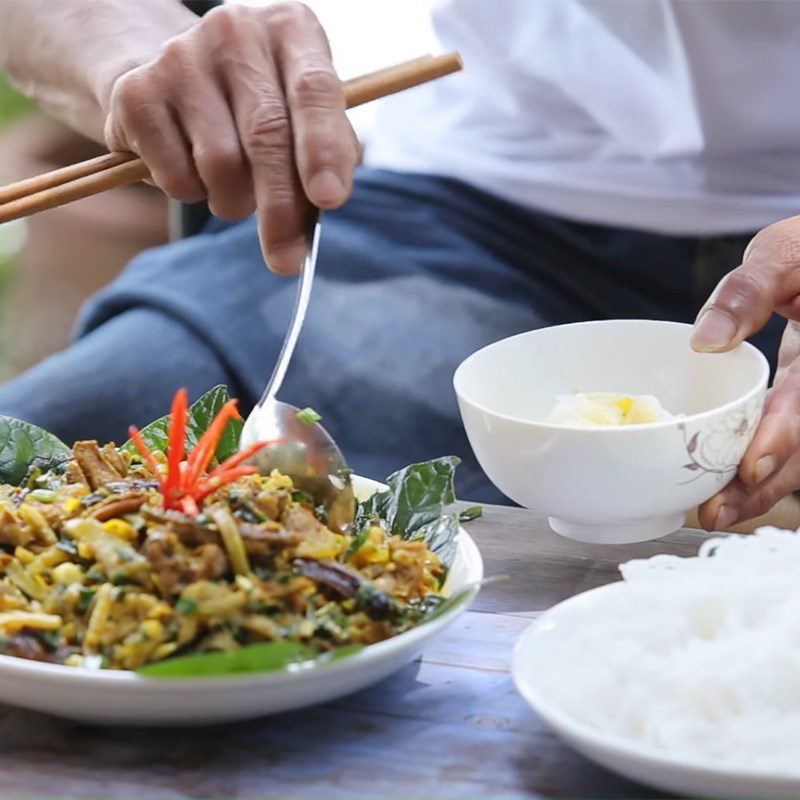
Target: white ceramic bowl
124	698
614	484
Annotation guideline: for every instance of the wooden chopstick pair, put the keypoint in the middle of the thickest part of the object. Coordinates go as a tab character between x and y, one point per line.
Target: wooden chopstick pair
86	178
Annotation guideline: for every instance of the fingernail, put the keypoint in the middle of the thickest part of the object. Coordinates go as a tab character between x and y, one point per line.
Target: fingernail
765	466
326	189
726	516
714	330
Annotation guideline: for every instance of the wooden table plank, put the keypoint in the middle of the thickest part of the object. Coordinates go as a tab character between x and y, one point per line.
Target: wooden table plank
543	568
448	726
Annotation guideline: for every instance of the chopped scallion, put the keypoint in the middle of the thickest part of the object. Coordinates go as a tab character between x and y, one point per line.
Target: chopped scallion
308	416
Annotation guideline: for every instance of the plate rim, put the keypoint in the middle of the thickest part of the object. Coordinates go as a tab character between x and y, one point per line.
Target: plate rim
11	666
613	744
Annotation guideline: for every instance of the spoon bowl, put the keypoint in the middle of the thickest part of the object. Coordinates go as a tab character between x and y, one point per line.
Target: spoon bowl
303	450
306	452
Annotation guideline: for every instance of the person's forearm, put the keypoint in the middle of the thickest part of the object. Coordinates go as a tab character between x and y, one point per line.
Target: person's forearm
66	54
241	107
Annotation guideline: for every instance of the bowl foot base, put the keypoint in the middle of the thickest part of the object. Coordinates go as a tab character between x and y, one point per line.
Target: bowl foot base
639	530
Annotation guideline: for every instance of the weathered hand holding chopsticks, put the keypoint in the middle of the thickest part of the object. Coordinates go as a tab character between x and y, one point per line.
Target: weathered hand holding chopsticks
52	189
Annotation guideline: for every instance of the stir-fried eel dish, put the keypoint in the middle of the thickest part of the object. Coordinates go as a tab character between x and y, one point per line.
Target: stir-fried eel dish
173	546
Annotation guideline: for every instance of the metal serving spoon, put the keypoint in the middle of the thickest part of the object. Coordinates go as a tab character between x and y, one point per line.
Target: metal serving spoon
307	453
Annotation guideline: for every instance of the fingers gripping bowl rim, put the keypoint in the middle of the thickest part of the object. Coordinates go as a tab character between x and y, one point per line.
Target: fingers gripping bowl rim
610	484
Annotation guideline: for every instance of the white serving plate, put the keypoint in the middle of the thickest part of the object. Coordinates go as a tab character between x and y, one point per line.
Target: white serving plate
636	761
125	698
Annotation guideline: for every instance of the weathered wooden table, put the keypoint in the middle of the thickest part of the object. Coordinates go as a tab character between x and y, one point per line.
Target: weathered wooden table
449	725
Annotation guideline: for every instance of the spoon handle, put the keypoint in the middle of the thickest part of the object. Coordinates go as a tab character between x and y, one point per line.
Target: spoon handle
306	278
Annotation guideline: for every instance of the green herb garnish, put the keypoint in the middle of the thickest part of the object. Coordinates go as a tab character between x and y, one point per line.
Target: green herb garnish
471	513
120	577
51	638
186	605
68	546
308	416
42	495
86	597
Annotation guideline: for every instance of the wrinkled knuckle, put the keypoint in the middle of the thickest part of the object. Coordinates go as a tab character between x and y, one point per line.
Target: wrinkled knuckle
317	87
131	91
175	56
280	204
225	19
778	243
289	14
268	131
218	162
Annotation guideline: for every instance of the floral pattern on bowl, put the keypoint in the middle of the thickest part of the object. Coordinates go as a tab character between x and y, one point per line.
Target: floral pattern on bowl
719	449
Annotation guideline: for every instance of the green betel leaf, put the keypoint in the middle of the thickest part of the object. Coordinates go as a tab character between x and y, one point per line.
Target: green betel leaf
414	505
201	412
266	657
463	597
24	446
419	493
339	653
440	536
253	658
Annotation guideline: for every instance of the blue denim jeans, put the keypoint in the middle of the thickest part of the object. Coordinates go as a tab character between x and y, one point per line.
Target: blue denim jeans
414	273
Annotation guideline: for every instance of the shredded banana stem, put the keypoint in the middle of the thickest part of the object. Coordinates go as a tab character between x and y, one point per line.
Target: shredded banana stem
12	621
98	619
232	539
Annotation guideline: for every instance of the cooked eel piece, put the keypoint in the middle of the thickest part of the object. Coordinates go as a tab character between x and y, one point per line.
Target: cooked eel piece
340	579
260	541
347	583
316	539
98	466
189	531
175	566
263	540
113	457
24	645
54	514
118	505
12	529
122	487
74	474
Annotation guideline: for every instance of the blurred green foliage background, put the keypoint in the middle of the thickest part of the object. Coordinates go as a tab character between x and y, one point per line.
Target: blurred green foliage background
12	106
12	103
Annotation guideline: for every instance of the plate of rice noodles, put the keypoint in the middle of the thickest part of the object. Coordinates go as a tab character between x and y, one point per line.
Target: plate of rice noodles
685	675
167	581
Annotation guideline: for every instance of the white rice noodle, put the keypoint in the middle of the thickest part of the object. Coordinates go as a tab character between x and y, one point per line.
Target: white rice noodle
697	657
607	409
